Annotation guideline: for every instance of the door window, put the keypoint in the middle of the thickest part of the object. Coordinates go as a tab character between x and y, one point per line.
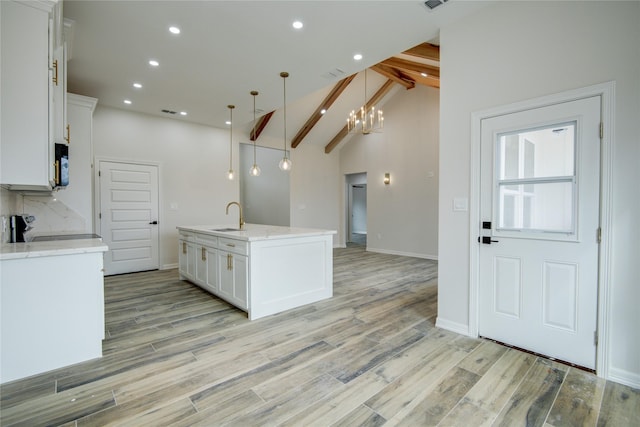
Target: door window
536	181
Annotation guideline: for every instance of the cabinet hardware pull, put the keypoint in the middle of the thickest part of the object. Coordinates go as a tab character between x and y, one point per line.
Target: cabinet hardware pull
68	137
55	69
204	253
184	247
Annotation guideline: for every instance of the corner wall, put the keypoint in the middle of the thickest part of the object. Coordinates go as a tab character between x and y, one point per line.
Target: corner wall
514	51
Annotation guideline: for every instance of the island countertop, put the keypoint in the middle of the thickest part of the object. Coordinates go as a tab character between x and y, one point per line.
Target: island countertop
253	232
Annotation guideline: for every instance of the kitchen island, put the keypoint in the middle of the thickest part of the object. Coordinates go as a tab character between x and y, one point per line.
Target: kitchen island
51	305
261	269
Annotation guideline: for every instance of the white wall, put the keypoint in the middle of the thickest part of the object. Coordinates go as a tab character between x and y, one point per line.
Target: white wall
265	198
515	51
193	163
402	217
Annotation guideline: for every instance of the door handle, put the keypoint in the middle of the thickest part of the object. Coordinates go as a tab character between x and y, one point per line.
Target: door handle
204	253
154	222
486	240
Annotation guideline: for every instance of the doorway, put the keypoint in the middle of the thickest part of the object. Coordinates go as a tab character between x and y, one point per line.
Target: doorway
573	292
128	202
356	209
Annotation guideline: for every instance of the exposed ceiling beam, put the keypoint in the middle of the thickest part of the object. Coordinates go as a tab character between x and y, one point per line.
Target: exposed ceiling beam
426	51
324	105
394	75
417	67
386	87
262	123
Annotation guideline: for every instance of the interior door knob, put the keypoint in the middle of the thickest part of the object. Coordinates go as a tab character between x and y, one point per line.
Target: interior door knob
154	222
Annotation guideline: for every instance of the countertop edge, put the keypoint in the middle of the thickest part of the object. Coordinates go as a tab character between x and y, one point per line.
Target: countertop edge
11	251
256	232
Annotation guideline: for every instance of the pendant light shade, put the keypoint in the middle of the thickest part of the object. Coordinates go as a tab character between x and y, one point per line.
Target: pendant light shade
255	169
285	163
230	174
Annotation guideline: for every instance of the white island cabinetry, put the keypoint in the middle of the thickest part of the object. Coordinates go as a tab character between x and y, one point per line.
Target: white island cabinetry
262	269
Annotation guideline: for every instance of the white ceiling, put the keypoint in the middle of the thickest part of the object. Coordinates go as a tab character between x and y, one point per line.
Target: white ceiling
228	48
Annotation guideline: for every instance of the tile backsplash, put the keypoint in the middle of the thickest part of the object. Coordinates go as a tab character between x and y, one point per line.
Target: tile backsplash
52	215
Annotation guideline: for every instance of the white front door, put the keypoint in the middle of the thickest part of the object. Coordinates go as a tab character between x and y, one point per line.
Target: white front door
539	209
129	216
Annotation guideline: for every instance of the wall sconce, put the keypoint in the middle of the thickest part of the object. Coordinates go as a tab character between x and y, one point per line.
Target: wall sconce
387	179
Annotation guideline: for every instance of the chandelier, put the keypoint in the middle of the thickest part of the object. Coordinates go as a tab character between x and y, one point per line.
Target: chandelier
367	119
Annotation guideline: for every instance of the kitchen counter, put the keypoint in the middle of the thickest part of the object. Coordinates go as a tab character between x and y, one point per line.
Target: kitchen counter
262	269
51	248
253	232
51	305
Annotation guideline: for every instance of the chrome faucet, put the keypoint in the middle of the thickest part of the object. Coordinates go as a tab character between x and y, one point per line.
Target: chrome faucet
241	217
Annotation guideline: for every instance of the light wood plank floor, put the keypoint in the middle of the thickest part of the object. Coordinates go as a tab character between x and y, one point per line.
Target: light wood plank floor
369	356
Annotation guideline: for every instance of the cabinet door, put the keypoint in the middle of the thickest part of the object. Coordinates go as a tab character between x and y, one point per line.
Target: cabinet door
233	278
212	269
240	280
225	277
27	159
201	265
186	260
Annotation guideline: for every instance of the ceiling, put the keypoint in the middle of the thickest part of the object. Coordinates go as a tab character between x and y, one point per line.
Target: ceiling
228	48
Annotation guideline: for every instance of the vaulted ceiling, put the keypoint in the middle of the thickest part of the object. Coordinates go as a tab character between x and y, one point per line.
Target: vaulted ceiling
228	48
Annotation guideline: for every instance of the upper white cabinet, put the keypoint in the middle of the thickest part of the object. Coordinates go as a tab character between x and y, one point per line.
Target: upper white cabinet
31	35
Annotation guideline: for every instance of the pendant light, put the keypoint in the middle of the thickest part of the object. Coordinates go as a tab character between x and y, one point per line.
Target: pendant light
285	163
230	174
255	169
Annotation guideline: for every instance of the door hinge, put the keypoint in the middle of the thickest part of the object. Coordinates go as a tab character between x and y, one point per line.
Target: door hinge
601	130
100	215
599	235
595	337
99	173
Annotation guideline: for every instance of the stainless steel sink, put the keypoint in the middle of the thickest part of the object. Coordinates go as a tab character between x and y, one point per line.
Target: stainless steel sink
225	229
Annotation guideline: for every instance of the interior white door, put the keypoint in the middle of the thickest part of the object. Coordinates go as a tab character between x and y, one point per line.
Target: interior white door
539	229
129	216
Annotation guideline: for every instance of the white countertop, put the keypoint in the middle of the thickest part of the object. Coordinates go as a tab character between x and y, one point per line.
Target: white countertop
253	232
51	248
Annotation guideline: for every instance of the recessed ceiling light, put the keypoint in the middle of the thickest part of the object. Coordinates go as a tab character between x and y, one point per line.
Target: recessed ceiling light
183	113
424	74
357	56
227	122
174	30
153	63
297	25
137	85
323	111
127	101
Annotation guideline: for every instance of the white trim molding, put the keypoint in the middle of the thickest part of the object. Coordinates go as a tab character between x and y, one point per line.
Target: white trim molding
607	93
449	325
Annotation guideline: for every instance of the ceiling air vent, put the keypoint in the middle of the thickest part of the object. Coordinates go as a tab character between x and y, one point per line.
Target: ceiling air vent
432	4
336	72
168	111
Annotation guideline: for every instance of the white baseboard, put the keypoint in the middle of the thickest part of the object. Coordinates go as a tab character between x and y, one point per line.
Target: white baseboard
169	266
411	254
449	325
624	377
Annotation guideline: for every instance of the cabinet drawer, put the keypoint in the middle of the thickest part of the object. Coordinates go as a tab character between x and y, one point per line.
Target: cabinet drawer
237	246
186	236
211	241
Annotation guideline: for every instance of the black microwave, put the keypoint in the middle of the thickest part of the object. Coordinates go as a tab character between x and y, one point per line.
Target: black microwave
62	165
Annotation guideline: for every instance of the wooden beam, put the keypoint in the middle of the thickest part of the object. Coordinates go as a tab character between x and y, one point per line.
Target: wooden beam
393	74
262	123
426	51
405	65
386	87
324	105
